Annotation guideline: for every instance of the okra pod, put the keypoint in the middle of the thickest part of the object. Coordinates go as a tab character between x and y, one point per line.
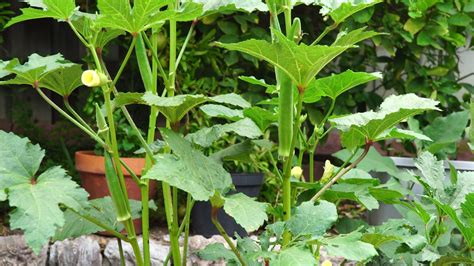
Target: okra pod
115	189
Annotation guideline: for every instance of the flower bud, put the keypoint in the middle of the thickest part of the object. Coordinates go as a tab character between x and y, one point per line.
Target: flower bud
297	172
93	78
328	172
326	263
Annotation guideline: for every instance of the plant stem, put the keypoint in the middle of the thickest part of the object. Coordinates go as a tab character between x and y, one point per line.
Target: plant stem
130	172
311	166
324	33
75	114
74	121
122	257
125	61
187	219
342	172
102	225
222	231
186	41
79	36
287	167
154	54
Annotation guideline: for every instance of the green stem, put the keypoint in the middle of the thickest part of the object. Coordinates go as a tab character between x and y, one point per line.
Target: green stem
287	14
325	32
149	160
109	230
186	41
131	172
287	168
186	222
125	61
74	121
75	114
311	166
154	54
343	172
79	36
122	257
222	231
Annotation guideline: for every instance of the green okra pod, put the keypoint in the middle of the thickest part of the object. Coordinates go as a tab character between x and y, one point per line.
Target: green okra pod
143	63
286	115
115	189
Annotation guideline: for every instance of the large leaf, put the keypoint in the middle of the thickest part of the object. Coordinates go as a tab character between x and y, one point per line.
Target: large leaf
247	212
432	173
310	219
339	11
49	72
207	136
350	247
217	251
294	256
189	170
60	10
300	62
118	14
101	209
176	107
220	111
36	198
238	152
262	117
446	130
359	127
337	84
63	80
219	6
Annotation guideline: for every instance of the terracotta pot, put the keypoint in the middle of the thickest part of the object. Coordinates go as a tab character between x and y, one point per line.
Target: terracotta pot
91	170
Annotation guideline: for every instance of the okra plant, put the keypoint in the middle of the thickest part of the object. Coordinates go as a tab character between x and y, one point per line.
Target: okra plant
50	205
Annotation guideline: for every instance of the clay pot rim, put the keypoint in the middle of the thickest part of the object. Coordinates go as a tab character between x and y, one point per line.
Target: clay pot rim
89	162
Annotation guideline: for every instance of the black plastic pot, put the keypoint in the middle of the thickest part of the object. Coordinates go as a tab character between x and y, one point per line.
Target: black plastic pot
201	224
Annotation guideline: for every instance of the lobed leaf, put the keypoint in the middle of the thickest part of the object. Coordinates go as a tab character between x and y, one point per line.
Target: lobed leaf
246	211
207	136
60	10
313	220
189	170
359	127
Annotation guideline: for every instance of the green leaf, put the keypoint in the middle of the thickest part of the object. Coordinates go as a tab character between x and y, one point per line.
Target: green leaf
468	207
310	219
446	130
60	10
232	99
353	37
20	160
337	84
397	133
294	256
37	200
413	26
220	6
262	117
118	14
259	82
464	187
452	260
189	170
350	247
35	69
372	125
174	108
237	152
217	251
3	65
377	240
339	11
246	211
99	37
300	62
101	209
207	136
432	172
63	80
220	111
